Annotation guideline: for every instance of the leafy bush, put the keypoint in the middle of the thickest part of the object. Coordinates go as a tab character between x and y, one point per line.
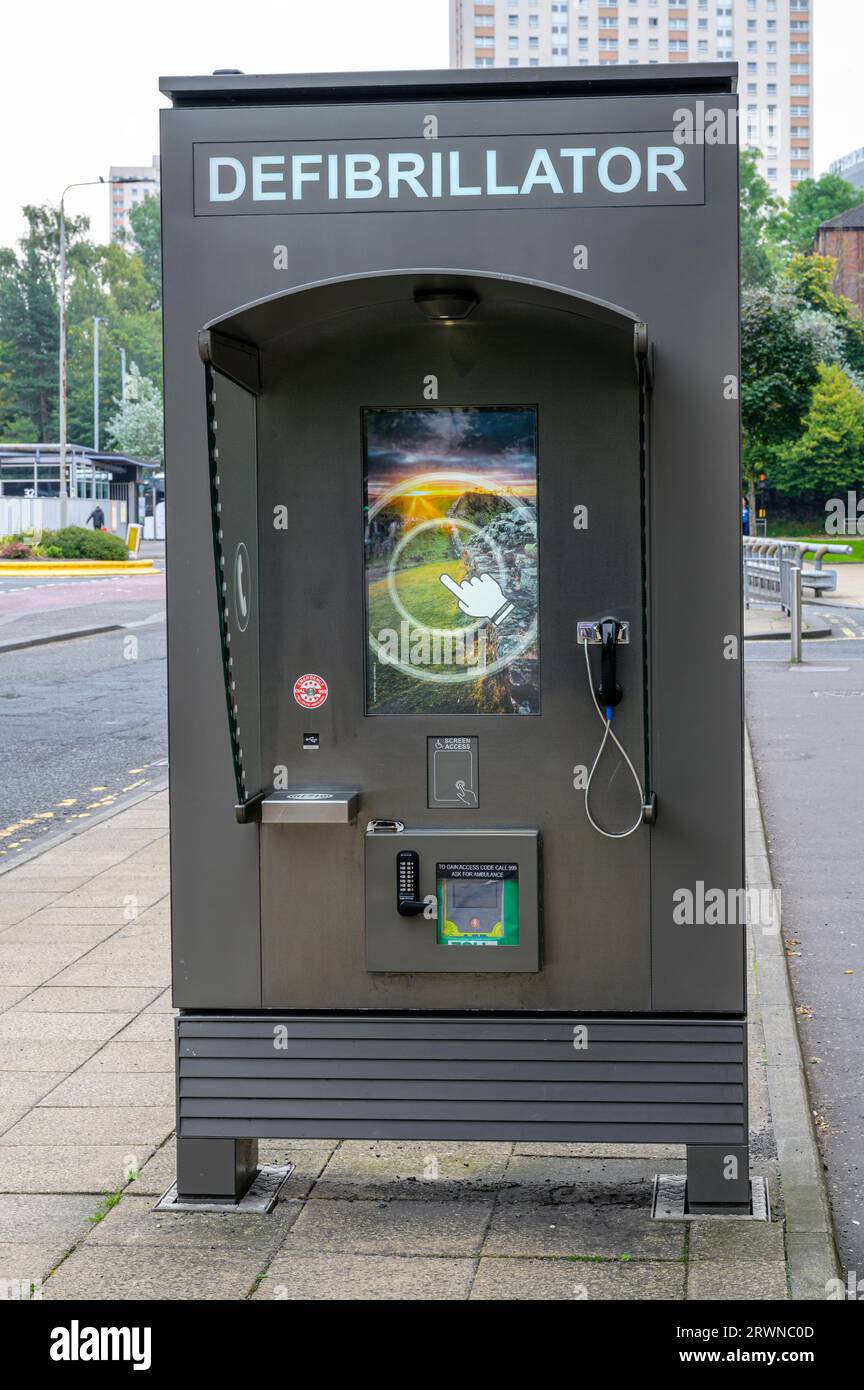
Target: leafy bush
16	550
80	543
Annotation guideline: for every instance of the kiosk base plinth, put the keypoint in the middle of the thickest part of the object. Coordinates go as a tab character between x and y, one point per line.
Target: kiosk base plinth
718	1178
215	1169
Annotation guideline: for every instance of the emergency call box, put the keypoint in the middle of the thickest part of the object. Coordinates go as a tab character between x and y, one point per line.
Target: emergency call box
450	369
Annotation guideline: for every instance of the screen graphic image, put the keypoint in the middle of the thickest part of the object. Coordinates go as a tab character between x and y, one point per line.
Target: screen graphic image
451	560
478	904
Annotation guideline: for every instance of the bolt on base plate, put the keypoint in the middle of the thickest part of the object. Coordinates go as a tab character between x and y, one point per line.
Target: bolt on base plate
260	1195
669	1202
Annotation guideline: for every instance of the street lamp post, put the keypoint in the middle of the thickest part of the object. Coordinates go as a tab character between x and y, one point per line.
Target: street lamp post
86	183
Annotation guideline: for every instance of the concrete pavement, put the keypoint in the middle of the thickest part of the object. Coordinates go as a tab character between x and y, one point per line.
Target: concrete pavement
86	1116
806	724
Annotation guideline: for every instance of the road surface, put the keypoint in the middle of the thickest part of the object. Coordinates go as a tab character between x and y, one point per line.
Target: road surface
83	722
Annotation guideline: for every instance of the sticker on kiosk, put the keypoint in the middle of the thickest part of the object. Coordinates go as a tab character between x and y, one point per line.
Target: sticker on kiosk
478	904
310	691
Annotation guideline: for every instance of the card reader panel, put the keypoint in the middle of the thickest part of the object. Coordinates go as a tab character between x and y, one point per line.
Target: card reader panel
474	898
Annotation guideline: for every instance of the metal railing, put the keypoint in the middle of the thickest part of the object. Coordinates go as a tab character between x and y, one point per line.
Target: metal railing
774	573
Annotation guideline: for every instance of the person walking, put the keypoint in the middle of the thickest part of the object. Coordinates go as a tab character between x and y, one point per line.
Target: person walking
97	516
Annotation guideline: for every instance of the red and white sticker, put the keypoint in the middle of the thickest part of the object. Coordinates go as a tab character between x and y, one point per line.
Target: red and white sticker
310	692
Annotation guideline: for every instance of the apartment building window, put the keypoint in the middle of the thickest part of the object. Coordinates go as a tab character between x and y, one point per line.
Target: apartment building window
513	62
484	63
513	41
484	43
677	45
559	52
533	43
533	21
513	20
607	44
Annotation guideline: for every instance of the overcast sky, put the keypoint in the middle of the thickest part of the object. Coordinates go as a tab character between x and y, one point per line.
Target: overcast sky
79	86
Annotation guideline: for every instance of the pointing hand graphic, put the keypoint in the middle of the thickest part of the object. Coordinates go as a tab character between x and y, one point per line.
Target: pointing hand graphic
480	597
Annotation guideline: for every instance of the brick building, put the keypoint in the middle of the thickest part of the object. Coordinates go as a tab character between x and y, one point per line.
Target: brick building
843	238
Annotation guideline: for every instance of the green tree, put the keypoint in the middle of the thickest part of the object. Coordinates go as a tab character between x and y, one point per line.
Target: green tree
136	428
757	207
108	282
828	456
146	225
29	330
779	361
812	202
811	280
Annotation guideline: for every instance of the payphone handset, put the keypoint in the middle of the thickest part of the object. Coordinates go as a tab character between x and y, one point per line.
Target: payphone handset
609	633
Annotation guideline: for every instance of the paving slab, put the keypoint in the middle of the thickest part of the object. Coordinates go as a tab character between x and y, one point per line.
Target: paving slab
736	1241
42	933
536	1178
742	1281
553	1150
398	1227
23	1089
23	1025
131	1274
93	1168
610	1232
150	1027
366	1278
61	1220
124	1057
117	966
144	1125
412	1170
157	1174
123	999
133	1222
564	1280
105	1088
35	965
11	994
37	1055
24	1268
15	906
309	1163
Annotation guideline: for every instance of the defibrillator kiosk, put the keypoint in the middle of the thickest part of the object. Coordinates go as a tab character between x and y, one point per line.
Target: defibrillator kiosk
451	388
